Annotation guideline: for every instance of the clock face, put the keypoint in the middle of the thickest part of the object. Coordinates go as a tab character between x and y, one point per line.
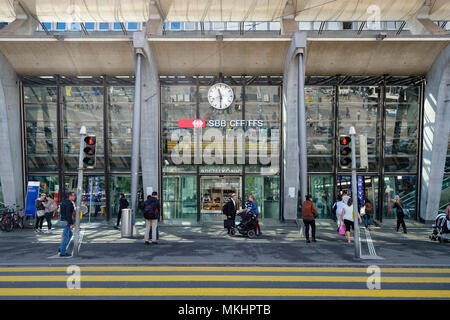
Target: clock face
220	96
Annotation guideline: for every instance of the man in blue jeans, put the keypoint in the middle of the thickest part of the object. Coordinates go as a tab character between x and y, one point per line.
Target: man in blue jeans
66	213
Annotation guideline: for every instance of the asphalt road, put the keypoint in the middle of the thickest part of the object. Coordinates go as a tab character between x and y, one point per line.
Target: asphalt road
223	282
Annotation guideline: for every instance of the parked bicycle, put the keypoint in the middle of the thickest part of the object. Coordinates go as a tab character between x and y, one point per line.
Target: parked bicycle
11	218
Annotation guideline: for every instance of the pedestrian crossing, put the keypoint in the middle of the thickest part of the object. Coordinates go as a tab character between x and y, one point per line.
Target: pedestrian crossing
197	282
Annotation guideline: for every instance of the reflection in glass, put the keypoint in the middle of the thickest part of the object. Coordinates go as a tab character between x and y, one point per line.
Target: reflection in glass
41	128
322	194
319	128
180	198
402	123
266	191
359	107
82	106
120	120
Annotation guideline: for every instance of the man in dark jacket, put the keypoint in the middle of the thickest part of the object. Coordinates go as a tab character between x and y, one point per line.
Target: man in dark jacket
152	209
230	209
123	204
66	213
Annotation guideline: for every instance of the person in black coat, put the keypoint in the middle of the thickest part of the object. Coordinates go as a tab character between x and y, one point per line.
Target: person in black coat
230	209
123	204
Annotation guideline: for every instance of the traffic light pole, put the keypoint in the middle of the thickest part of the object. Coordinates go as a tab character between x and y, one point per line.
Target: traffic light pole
355	195
76	239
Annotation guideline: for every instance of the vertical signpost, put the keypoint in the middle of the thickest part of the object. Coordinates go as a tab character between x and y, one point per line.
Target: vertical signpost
79	193
352	133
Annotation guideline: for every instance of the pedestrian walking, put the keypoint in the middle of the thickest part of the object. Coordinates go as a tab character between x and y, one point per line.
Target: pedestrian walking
151	214
345	197
229	210
67	212
368	211
123	204
348	218
40	213
309	213
337	208
50	208
398	204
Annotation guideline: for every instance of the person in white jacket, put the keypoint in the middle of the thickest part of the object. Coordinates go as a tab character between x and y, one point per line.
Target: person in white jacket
50	208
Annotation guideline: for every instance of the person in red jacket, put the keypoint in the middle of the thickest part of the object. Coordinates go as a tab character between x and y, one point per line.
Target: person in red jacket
309	213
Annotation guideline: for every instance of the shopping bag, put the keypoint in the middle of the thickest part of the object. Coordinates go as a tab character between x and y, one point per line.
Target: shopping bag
342	230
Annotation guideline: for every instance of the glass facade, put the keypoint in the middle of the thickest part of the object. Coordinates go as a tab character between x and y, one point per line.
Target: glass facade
41	128
237	151
240	146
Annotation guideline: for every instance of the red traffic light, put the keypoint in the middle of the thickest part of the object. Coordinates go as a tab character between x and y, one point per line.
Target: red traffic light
345	140
89	140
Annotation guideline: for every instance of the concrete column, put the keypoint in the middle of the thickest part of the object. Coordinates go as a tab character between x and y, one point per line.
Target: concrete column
150	115
291	171
10	135
436	128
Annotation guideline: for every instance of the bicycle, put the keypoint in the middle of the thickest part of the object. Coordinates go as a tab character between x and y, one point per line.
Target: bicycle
10	218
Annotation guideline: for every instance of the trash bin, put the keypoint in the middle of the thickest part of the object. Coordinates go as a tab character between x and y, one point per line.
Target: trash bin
126	223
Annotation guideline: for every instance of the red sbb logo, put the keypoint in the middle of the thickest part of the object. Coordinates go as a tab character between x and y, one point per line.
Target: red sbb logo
191	123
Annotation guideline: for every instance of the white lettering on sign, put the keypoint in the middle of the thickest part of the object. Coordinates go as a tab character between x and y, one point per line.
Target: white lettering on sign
235	123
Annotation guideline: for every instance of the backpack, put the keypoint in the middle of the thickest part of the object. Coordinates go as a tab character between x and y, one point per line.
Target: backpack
149	210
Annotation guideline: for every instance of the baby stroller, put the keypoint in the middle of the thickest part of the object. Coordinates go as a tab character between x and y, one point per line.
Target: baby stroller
441	229
247	225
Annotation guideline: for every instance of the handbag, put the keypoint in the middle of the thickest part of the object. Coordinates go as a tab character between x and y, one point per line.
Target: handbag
363	211
40	213
342	229
228	223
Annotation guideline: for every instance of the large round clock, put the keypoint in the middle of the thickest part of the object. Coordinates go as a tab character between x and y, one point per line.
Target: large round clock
220	96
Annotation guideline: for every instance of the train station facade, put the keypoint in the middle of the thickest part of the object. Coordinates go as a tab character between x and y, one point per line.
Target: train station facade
221	113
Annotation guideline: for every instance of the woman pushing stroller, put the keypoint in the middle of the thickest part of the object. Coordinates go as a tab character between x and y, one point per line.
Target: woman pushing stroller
252	206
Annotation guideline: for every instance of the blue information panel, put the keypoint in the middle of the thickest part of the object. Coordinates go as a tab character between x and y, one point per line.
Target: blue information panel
360	190
32	196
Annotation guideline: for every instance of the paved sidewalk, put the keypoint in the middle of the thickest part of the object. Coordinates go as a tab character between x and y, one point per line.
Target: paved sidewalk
280	244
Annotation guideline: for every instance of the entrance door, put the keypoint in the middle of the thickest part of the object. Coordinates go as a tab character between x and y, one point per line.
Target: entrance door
368	187
215	191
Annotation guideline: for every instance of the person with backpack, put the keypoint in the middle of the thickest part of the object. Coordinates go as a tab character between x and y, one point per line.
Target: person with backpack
151	215
368	211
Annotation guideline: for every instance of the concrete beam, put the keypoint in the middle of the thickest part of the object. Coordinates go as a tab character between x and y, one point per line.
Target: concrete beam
288	27
436	129
25	23
10	135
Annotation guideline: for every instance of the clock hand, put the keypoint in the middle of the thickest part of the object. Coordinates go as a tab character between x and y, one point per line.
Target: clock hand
220	94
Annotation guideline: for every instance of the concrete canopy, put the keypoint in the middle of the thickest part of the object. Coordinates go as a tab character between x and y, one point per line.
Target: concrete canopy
47	56
223	10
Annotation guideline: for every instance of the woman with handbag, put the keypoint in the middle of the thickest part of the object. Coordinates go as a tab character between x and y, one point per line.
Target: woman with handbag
348	218
40	213
50	208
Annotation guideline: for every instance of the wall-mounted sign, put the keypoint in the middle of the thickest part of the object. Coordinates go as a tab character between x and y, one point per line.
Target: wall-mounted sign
201	123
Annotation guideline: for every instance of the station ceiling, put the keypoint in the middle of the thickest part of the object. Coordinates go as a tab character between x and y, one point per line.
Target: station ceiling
224	10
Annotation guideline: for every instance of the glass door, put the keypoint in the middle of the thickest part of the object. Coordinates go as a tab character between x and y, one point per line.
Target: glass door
215	191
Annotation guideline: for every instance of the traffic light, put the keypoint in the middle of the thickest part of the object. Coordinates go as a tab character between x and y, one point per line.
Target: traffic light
89	152
345	152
